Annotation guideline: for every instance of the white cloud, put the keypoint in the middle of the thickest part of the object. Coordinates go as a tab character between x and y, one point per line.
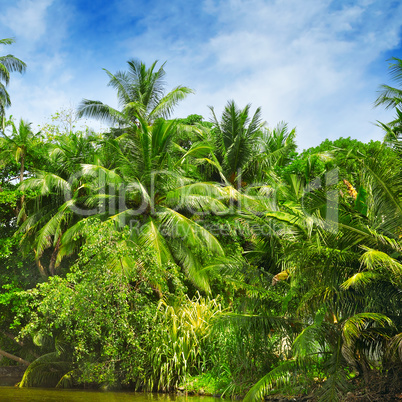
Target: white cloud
308	63
303	62
27	18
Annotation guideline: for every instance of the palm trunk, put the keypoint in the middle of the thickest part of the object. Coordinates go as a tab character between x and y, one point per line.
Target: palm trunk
365	370
15	358
41	268
52	264
22	170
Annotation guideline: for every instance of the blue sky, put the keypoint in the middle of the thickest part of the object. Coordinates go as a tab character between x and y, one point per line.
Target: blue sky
315	64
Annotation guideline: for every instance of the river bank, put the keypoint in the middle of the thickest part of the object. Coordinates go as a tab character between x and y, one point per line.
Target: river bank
11	375
379	389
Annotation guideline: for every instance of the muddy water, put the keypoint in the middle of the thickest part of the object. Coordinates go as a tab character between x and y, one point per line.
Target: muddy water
13	394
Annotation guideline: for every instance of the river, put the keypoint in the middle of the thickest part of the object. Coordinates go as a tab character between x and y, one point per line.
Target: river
14	394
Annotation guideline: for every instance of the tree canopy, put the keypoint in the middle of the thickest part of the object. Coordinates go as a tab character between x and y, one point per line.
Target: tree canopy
209	256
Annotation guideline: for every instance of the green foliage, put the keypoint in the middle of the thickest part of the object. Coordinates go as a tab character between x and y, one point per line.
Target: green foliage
106	310
205	383
46	371
389	96
102	308
8	64
181	345
299	256
140	92
192	119
236	136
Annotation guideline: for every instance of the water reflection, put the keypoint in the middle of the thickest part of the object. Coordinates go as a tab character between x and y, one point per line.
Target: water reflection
52	395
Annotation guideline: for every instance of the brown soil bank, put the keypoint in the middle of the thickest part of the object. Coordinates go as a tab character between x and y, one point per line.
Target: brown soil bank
11	375
379	388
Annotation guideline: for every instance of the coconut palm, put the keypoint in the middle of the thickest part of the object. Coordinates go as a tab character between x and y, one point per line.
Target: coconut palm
58	195
19	144
140	92
236	139
137	184
344	279
158	199
275	148
389	96
8	64
22	147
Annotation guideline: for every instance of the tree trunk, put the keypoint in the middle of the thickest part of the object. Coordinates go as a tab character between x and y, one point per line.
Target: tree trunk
22	169
365	370
52	264
15	358
10	336
20	343
41	268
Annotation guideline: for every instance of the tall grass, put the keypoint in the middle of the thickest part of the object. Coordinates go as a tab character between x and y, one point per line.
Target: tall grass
180	346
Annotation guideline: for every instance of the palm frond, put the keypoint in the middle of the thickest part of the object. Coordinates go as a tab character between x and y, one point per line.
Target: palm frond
52	228
101	111
395	346
7	41
379	261
354	326
150	237
47	183
166	104
193	234
12	63
275	379
46	371
360	279
186	258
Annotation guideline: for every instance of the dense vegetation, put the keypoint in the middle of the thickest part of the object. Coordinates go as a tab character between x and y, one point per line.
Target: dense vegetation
210	255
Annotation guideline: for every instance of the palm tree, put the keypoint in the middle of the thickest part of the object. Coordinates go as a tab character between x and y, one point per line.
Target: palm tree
159	200
275	148
21	147
236	139
389	96
339	289
21	143
132	180
8	64
58	195
345	282
140	92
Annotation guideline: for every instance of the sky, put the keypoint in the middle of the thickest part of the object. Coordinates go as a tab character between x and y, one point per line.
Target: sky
315	64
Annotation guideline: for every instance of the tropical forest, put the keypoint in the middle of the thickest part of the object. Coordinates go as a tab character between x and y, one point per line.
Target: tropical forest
200	255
